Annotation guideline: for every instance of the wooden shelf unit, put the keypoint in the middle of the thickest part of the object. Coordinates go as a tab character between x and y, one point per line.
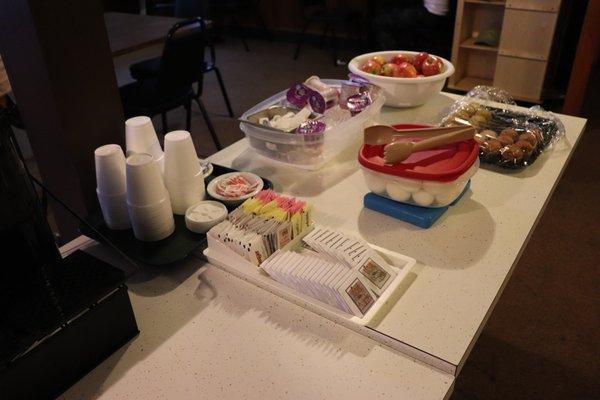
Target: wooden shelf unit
486	2
469	82
470	44
519	63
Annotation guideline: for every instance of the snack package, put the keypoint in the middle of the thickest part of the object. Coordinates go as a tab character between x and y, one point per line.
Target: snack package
355	254
262	225
507	138
326	280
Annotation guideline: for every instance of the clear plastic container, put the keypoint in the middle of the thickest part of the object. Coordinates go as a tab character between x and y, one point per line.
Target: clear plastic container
507	138
432	178
308	151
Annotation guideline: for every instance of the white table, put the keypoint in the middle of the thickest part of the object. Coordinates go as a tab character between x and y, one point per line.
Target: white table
250	343
214	336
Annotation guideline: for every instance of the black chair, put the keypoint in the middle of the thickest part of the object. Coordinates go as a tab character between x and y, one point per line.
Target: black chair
149	68
319	12
179	67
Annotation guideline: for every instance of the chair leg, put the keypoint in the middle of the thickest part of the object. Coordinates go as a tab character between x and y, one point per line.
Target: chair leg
165	125
224	91
188	115
263	25
325	31
301	39
245	43
211	129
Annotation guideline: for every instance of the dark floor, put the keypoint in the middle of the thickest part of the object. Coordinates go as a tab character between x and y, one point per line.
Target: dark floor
543	338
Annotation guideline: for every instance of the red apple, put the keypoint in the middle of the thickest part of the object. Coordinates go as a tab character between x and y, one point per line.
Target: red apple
418	60
431	66
378	59
405	70
371	67
400	58
388	69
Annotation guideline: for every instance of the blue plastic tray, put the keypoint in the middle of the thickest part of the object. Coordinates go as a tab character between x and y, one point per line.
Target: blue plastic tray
422	217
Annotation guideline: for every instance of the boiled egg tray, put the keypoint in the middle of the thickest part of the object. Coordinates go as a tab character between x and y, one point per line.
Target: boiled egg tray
423	217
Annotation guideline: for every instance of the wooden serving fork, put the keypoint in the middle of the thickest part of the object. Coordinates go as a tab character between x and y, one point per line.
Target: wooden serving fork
384	134
396	152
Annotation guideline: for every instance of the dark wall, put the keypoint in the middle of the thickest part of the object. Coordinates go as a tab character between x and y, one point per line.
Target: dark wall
63	80
127	6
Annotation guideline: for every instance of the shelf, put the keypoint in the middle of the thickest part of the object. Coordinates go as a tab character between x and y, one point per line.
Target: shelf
551	6
470	44
469	82
490	3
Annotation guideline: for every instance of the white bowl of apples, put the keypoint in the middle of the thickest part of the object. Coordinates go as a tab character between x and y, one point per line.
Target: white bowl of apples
407	78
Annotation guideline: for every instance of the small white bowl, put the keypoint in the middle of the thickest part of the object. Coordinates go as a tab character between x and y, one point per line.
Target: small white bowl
253	178
403	92
202	226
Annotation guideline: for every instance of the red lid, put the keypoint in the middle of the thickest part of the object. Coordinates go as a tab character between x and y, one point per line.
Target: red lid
442	164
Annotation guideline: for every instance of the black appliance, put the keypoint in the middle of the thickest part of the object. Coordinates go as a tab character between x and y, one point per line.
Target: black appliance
59	317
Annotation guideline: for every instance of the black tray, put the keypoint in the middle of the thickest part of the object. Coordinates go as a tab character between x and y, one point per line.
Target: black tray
163	252
507	118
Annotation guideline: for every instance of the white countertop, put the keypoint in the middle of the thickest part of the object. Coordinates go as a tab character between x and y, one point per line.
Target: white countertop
465	258
222	337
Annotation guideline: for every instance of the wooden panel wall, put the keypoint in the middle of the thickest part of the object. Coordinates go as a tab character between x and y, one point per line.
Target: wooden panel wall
58	59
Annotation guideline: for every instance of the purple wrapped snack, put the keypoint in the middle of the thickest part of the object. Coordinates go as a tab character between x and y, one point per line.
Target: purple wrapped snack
349	89
357	78
317	102
311	127
298	95
358	102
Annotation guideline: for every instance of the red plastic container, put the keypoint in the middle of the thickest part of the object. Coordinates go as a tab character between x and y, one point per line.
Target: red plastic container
430	178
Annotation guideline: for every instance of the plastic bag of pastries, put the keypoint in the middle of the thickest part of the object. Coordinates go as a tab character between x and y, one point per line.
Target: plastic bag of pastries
507	137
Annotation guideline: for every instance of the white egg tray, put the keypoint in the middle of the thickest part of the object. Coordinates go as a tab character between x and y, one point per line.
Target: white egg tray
221	256
432	194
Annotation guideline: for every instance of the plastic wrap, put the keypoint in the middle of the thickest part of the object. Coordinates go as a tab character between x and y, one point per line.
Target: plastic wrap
507	138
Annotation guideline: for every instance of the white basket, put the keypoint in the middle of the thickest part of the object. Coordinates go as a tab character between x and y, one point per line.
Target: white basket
221	256
403	92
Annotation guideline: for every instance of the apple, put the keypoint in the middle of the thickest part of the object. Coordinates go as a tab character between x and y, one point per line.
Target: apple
405	70
400	58
418	59
388	69
372	67
378	59
431	66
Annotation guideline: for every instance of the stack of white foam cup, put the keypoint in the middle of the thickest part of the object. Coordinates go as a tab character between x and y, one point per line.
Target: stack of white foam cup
140	137
110	185
182	175
147	199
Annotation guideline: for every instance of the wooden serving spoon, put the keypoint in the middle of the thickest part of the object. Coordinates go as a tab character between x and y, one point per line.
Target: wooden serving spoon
383	134
399	151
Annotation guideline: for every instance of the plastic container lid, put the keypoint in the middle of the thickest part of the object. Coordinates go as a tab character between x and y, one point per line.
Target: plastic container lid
444	164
